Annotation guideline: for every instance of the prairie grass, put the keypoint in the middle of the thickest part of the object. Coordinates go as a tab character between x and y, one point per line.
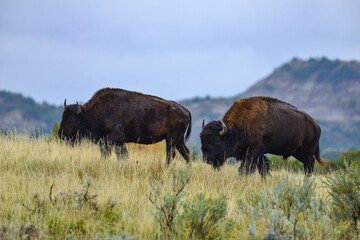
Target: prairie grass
71	192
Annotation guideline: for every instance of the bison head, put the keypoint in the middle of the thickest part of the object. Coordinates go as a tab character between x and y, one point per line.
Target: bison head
72	121
213	143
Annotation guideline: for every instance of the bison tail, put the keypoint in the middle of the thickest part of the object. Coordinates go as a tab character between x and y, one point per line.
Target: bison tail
317	155
188	131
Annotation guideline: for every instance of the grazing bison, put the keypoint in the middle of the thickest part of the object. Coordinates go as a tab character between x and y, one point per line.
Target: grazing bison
115	116
258	125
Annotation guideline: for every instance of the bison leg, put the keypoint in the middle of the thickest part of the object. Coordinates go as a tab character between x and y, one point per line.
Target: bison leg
121	152
307	159
253	159
242	169
170	151
247	167
117	137
263	166
184	151
309	166
105	150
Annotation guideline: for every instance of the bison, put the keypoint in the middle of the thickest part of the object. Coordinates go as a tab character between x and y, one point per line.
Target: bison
255	126
113	117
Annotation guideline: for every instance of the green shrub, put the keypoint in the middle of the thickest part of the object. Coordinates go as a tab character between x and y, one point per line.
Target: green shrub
345	159
286	196
350	156
291	209
55	130
167	204
80	201
198	218
201	216
291	165
122	237
344	189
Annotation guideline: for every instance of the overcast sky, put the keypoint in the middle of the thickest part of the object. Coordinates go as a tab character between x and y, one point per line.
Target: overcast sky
51	50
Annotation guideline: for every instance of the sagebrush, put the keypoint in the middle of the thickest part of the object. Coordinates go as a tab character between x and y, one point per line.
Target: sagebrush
52	190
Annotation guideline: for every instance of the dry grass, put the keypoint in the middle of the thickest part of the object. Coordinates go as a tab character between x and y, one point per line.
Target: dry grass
31	166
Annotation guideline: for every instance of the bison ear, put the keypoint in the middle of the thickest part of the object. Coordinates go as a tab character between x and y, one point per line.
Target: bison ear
65	103
203	124
224	129
78	108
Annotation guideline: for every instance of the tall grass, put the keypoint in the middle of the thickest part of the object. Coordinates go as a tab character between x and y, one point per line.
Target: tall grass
51	190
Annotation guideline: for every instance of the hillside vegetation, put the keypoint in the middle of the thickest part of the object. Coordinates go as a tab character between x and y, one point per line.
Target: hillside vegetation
328	90
50	190
23	113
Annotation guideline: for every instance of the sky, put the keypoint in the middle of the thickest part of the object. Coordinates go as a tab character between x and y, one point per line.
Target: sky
52	50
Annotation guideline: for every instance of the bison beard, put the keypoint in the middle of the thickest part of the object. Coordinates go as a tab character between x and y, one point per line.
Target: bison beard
113	117
255	126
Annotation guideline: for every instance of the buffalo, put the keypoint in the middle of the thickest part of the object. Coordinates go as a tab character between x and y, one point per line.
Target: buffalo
254	126
114	116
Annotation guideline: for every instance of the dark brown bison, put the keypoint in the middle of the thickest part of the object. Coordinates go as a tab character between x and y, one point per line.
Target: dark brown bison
115	116
255	126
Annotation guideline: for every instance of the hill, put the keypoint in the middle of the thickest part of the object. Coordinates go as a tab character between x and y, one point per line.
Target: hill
23	113
329	90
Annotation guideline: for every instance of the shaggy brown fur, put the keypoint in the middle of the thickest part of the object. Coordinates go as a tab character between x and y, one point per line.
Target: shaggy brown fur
260	125
117	116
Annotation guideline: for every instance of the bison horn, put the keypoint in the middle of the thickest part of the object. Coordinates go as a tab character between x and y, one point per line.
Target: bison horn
65	103
79	108
224	128
203	124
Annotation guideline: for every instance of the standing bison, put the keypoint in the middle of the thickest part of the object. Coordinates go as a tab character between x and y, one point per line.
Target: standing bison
258	125
115	116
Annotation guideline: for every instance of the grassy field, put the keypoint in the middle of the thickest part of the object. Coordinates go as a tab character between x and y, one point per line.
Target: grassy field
50	190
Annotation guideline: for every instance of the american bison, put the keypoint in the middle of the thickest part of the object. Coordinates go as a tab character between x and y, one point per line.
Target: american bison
255	126
116	116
